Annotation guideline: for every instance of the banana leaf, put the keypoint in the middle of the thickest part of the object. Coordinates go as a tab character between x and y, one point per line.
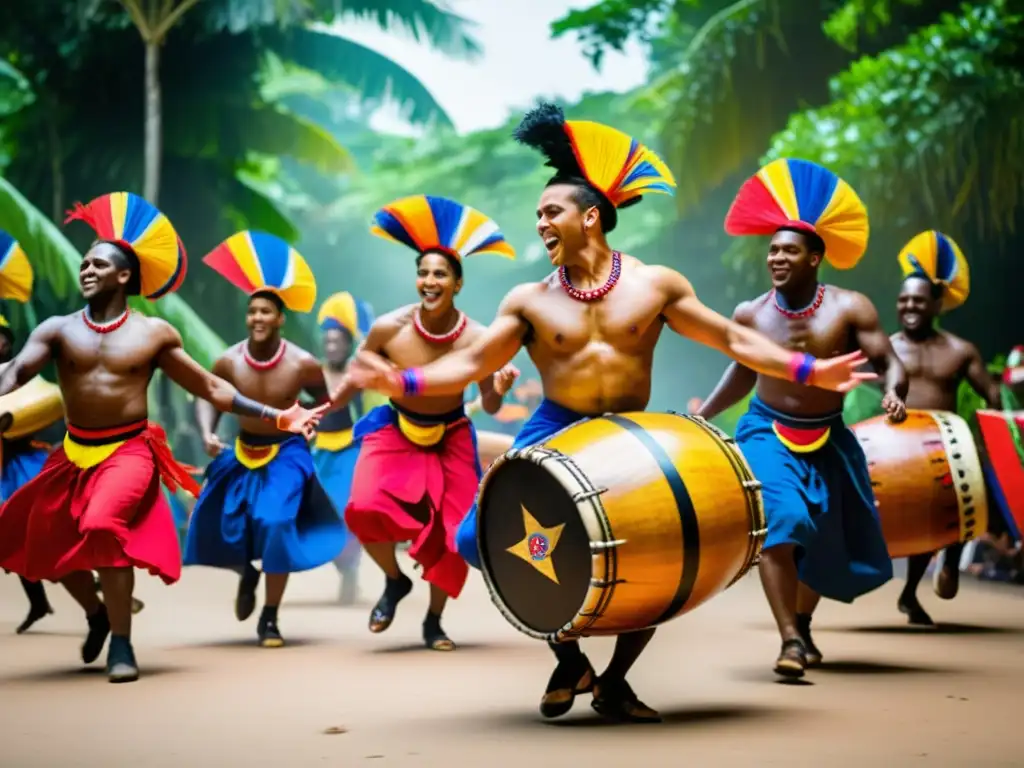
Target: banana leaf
55	262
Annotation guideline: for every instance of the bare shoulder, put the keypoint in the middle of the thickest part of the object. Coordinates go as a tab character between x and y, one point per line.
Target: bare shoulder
961	346
52	327
160	331
391	322
857	307
300	355
527	295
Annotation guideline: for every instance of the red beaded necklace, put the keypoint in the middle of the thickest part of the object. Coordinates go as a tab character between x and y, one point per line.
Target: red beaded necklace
596	293
801	314
443	338
110	327
264	365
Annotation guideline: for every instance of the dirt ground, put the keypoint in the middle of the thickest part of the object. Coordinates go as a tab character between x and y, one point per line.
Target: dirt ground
887	695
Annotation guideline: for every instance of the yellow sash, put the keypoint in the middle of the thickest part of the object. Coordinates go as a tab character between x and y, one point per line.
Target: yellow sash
423	435
802	440
334	441
88	456
255	456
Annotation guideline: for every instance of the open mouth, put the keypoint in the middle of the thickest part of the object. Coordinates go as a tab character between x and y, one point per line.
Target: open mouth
430	295
89	282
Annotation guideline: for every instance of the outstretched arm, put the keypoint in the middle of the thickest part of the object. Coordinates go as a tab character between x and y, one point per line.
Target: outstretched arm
981	380
451	374
378	335
207	416
878	349
689	317
188	374
33	357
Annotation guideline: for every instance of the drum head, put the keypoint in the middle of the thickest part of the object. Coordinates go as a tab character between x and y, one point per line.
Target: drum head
535	548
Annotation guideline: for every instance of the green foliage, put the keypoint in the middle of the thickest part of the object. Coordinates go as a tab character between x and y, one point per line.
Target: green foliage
861	17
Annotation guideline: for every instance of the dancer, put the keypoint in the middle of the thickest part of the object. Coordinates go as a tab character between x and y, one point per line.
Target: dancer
936	280
262	499
96	504
824	534
344	321
418	467
23	457
591	328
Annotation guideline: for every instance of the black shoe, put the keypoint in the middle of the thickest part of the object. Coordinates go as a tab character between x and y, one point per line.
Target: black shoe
121	665
811	653
615	700
916	615
571	678
245	600
267	630
792	659
383	612
99	628
433	636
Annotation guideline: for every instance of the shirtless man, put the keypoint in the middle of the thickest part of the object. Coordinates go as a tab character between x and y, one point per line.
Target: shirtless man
96	504
418	467
824	536
262	499
936	363
591	328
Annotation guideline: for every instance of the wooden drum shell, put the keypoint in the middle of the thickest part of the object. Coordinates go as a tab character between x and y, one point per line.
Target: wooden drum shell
927	479
33	407
651	562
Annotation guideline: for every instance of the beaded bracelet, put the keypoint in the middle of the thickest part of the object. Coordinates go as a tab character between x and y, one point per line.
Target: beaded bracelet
412	382
801	366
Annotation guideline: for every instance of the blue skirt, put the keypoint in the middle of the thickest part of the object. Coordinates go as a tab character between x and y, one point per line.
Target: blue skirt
19	468
278	513
336	470
820	500
549	418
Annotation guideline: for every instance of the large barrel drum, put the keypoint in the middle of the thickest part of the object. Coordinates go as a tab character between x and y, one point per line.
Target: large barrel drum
30	408
617	523
927	479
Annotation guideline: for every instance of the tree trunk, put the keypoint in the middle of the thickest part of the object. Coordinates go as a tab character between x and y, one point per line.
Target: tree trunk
154	148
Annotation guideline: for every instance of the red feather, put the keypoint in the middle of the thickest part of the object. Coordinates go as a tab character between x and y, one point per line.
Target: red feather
754	211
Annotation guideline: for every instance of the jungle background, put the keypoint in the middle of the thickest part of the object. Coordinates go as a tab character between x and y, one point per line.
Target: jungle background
233	114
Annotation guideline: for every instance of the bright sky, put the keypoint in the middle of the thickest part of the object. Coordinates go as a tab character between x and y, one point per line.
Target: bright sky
520	62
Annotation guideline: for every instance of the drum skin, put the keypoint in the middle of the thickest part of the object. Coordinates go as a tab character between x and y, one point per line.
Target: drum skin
491	445
32	407
927	480
659	513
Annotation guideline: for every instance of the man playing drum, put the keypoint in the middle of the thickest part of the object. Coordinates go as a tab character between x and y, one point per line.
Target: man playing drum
591	328
824	534
936	280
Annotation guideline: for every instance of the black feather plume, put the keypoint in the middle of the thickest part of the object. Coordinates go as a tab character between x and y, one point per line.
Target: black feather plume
543	129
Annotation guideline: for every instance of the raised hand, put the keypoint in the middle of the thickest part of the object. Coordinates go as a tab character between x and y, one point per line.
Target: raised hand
840	374
894	407
300	420
505	378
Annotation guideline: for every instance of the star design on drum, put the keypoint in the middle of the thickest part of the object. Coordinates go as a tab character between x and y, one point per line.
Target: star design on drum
538	545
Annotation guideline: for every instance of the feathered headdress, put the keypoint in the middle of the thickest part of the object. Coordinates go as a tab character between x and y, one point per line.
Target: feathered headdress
938	259
805	196
427	223
343	311
15	270
257	262
132	223
619	168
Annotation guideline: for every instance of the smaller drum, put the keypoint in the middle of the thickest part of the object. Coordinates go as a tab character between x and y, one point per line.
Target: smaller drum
30	408
927	478
617	524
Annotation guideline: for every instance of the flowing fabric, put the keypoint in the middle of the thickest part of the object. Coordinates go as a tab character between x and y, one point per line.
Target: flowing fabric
96	503
817	495
549	418
19	466
273	510
335	455
394	476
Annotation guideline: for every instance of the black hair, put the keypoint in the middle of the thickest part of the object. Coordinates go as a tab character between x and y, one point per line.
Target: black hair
812	240
586	196
454	263
934	289
125	258
270	296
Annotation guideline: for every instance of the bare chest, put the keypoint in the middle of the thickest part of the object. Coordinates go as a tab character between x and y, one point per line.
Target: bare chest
627	319
281	383
932	362
124	352
826	333
407	349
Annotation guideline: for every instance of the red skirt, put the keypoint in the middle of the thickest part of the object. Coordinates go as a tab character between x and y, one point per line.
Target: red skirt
87	514
393	475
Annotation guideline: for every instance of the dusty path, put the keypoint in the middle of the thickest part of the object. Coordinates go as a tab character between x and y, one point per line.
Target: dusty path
888	697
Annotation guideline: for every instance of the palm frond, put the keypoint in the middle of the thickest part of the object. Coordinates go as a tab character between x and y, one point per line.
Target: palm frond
56	261
422	19
374	75
276	131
